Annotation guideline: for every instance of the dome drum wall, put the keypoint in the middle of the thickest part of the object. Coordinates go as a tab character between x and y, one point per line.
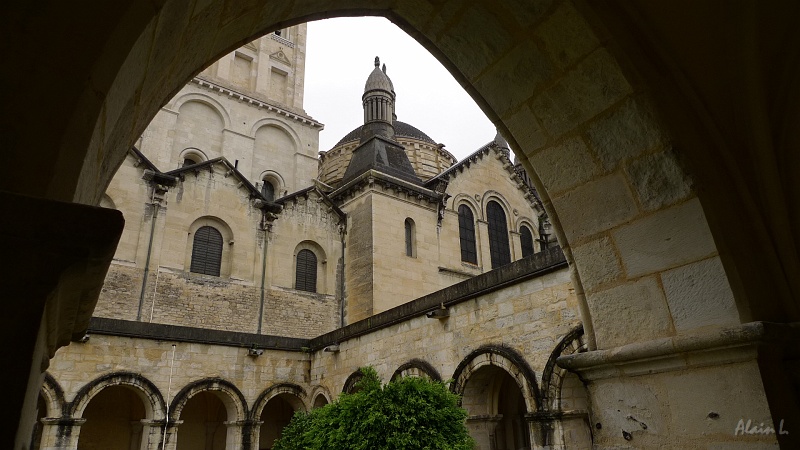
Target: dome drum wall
427	157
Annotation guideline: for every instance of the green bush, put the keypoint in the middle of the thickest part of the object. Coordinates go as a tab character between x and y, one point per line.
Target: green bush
410	413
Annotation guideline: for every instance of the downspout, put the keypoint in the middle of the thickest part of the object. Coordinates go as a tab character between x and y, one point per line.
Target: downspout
149	252
263	277
169	394
343	232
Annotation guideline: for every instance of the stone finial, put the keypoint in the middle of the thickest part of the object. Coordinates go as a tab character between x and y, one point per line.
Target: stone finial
377	61
384	68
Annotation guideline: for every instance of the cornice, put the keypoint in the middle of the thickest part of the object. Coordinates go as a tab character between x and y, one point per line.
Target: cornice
374	177
254	101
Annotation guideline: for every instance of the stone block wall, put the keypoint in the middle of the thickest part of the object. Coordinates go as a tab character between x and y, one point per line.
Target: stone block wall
178	298
523	318
529	317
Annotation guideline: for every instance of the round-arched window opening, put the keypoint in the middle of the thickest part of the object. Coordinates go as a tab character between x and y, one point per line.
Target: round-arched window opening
268	191
526	241
306	271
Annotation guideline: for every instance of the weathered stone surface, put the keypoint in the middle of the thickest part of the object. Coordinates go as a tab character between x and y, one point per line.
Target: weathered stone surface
566	35
597	263
495	39
635	311
524	69
734	393
595	206
564	165
528	133
584	91
627	406
666	239
699	296
658	180
627	131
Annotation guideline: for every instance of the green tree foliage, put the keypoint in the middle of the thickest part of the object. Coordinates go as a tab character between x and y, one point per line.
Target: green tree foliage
410	414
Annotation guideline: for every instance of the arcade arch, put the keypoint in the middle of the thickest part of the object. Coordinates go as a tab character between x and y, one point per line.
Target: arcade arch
275	415
498	389
417	368
113	420
204	411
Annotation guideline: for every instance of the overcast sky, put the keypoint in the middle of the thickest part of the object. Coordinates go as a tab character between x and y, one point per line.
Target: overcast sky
340	56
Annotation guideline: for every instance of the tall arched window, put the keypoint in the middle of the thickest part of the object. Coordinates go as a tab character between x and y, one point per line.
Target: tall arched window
466	234
206	251
268	191
306	271
498	235
409	237
526	240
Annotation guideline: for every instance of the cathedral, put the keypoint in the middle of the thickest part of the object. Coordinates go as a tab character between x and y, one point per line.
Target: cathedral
256	274
661	140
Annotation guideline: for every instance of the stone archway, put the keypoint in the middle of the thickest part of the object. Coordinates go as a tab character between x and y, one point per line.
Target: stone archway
113	419
570	99
573	108
272	411
116	409
498	390
417	368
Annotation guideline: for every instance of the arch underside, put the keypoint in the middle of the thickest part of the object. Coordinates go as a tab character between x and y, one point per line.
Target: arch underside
576	107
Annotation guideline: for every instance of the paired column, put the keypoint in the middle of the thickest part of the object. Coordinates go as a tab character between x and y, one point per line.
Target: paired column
60	433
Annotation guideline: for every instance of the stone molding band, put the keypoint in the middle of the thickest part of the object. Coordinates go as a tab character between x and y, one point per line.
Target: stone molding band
722	346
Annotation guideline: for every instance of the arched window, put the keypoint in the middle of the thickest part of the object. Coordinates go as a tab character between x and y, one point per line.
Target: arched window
206	251
268	191
191	156
498	235
409	237
526	240
466	234
306	273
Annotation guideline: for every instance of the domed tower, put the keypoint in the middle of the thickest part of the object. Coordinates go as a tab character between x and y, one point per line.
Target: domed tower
378	149
378	101
427	158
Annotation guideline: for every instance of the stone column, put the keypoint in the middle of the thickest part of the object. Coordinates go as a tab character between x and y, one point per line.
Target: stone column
153	434
137	427
541	430
250	434
560	430
482	429
482	244
234	434
61	433
55	279
515	245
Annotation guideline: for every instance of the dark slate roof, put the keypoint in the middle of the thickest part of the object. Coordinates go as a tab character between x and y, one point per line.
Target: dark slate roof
382	155
401	129
254	193
378	80
143	159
